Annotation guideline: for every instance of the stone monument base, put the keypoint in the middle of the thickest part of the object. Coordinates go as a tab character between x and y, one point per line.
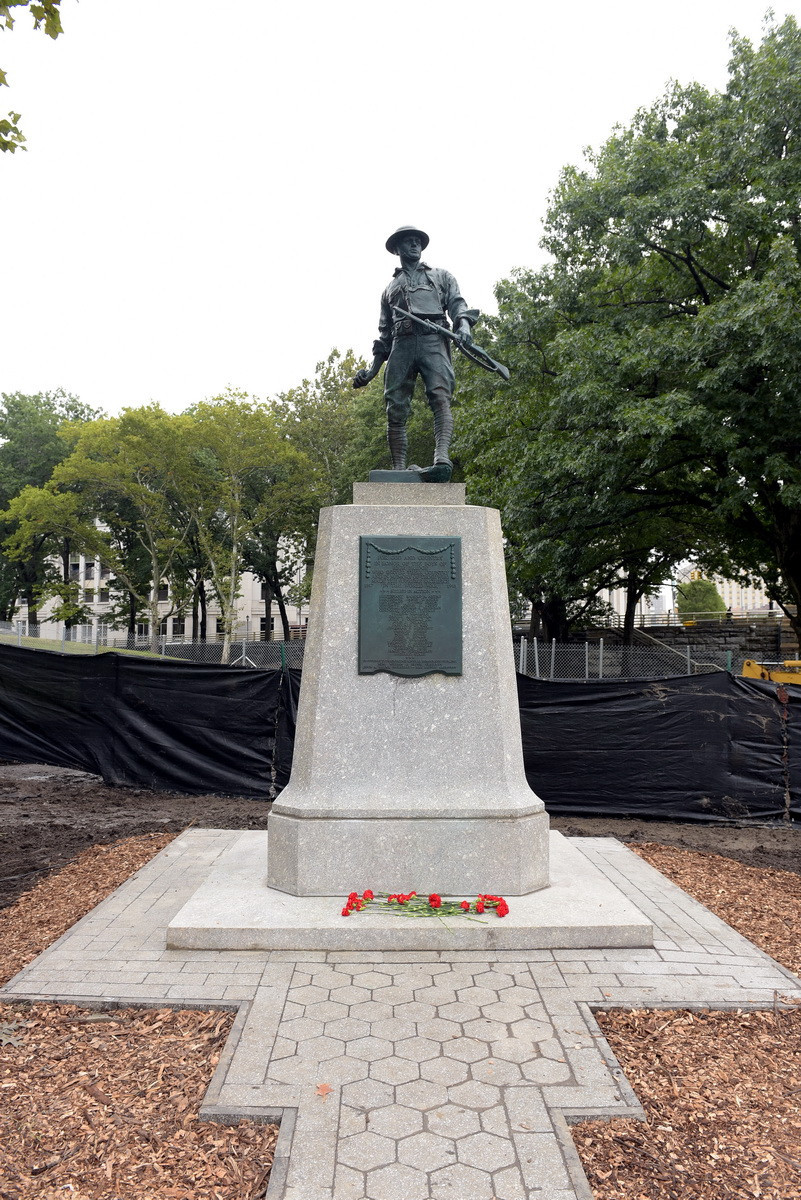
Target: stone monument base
408	774
453	856
236	910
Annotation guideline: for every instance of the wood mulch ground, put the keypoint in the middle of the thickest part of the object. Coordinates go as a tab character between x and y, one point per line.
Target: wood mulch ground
721	1091
761	903
103	1106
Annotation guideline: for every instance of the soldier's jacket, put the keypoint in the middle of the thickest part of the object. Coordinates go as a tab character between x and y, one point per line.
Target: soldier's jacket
427	292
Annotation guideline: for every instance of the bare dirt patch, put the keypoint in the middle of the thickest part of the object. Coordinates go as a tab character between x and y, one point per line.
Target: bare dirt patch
50	814
53	905
756	845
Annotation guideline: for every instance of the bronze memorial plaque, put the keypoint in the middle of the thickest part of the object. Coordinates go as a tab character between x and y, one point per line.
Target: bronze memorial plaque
410	605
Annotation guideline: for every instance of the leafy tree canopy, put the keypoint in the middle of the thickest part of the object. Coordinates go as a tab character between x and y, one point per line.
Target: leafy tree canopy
46	16
657	360
31	446
698	596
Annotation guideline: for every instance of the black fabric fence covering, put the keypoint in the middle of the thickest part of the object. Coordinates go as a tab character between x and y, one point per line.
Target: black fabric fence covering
691	748
141	722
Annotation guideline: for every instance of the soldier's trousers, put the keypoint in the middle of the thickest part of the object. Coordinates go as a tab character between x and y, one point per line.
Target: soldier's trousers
413	354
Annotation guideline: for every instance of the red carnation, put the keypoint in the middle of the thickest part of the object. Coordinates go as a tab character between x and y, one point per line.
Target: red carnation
465	905
345	912
479	906
434	901
502	908
368	895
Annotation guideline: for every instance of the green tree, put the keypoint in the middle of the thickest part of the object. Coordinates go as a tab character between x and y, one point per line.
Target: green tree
666	331
319	417
118	497
698	596
246	492
680	253
46	16
576	516
30	448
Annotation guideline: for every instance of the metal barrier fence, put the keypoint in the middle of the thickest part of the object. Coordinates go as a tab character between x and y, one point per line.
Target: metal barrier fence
537	658
597	660
751	616
95	639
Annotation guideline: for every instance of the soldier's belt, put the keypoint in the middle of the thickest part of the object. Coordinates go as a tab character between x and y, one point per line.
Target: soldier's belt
403	328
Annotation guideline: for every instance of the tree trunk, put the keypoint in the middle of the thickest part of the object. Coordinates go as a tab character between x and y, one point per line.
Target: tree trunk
194	614
633	596
534	623
9	606
33	611
204	616
268	610
282	609
155	624
553	614
131	620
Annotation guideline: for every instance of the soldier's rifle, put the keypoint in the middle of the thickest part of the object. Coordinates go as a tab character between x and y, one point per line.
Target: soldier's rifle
469	350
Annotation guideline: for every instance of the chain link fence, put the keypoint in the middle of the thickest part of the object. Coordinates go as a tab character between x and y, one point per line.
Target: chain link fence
244	651
604	660
538	658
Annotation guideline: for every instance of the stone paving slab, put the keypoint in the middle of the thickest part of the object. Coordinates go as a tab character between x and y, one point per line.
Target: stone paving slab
454	1073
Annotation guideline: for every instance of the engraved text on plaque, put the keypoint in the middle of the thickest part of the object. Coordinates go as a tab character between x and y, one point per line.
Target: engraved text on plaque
410	605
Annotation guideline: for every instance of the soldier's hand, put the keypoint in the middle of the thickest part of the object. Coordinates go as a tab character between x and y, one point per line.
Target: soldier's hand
362	378
463	333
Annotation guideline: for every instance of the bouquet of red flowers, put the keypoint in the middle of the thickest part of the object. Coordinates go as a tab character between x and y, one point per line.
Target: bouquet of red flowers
409	904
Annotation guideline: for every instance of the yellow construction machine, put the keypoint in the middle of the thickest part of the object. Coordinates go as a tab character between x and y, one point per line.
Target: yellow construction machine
787	672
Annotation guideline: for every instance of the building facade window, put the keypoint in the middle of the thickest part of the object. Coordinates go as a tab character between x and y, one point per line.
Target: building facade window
103	595
163	592
178	626
88	596
143	629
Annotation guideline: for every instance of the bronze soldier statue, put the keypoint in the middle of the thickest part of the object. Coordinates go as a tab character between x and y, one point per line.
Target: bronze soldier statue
414	339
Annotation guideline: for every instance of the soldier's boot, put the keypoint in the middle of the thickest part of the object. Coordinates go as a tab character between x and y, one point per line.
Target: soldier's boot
398	446
443	431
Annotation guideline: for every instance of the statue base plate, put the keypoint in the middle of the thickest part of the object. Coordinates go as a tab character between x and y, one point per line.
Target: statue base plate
439	473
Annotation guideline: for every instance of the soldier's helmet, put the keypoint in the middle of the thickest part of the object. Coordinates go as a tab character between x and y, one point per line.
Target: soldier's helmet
393	239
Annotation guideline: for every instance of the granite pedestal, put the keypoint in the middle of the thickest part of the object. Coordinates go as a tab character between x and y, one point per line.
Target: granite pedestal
408	782
234	909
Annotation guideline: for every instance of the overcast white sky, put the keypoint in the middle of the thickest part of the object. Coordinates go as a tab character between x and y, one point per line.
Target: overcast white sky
208	186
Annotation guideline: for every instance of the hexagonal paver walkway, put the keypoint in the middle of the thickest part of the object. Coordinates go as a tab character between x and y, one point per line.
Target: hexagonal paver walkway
450	1075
